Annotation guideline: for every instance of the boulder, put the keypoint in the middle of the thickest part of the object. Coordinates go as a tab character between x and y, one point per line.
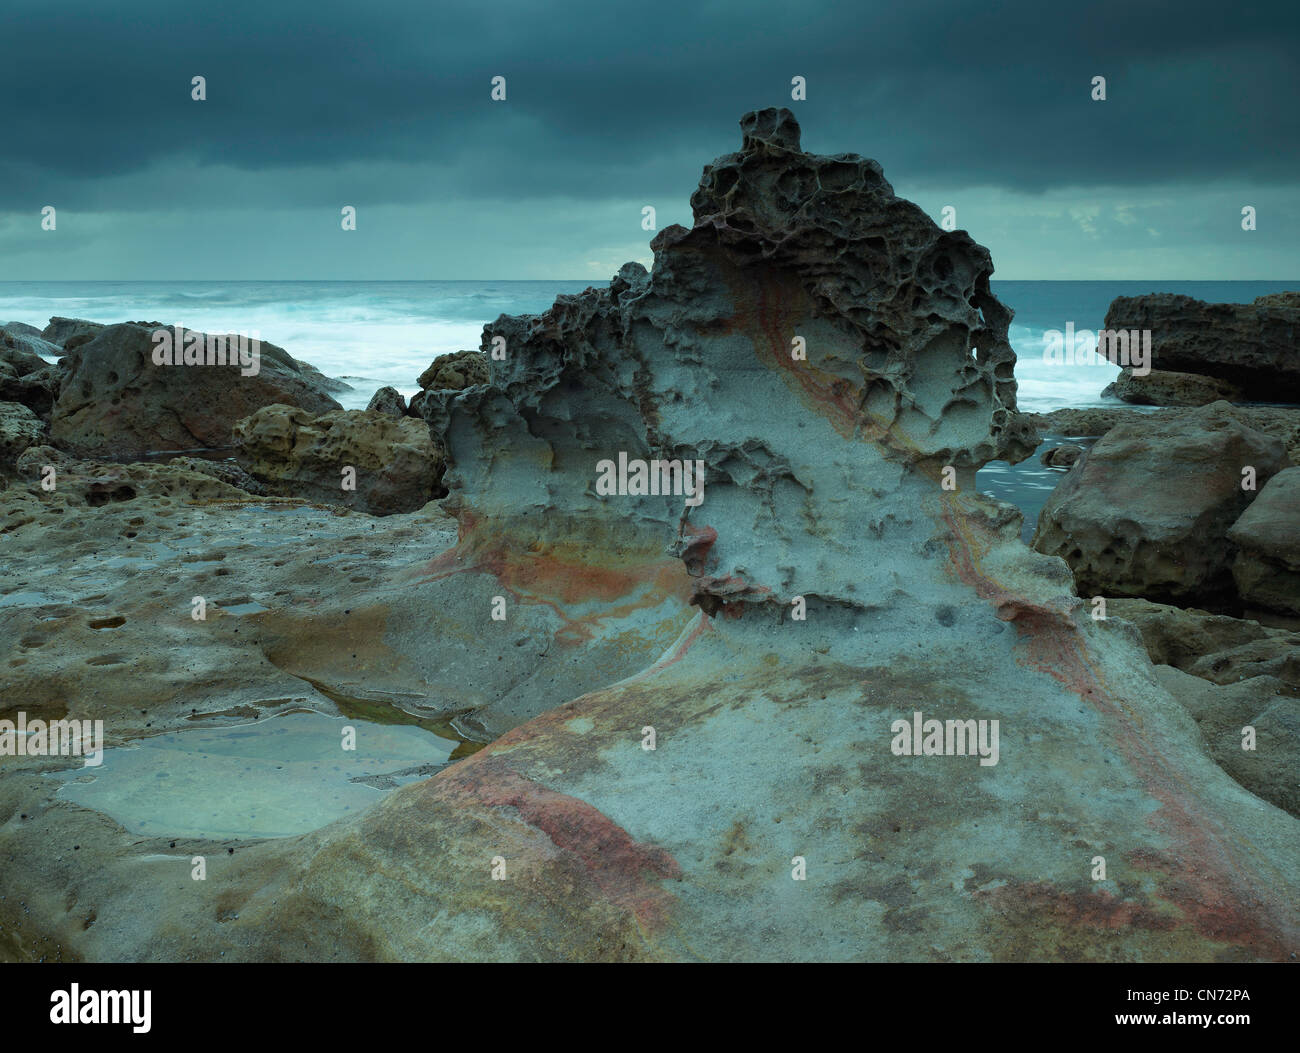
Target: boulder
117	400
455	371
388	400
1214	647
81	484
1274	656
20	428
397	467
1255	347
1267	536
71	333
25	376
1146	511
22	346
1164	388
1282	422
32	461
227	471
1182	637
1265	759
1062	456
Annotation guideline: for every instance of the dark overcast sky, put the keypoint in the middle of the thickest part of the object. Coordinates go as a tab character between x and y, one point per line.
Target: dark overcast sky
386	106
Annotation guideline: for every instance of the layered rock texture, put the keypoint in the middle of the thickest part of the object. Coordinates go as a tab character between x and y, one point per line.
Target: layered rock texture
705	760
116	400
1253	347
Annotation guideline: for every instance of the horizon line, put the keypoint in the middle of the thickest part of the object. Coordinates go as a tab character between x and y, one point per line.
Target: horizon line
414	281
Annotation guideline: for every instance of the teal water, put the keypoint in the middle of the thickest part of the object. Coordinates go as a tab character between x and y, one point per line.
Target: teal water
374	334
274	778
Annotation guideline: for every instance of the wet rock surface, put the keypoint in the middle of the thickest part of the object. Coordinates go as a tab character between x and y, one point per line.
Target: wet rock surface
839	366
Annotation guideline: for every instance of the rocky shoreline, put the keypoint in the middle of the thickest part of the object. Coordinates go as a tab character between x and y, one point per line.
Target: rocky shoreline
842	573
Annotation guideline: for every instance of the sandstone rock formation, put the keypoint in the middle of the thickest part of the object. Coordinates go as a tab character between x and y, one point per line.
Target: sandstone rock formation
1146	512
838	363
1268	766
824	483
16	338
389	401
1279	299
1252	346
395	464
25	377
1062	456
1281	422
19	429
115	400
458	370
1180	636
228	471
71	333
1267	536
1164	388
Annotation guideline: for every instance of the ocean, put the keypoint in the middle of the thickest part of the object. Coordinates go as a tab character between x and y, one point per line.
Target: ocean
377	334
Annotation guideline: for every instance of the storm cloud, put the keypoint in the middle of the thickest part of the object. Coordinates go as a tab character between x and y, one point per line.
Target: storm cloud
386	106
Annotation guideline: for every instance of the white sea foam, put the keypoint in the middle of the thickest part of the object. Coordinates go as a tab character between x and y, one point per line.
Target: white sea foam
374	334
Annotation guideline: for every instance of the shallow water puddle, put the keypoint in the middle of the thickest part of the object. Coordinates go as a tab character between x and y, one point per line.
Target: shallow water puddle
242	608
23	599
1028	484
275	778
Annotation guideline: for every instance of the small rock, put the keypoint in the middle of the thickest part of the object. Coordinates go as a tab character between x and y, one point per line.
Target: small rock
1062	456
388	400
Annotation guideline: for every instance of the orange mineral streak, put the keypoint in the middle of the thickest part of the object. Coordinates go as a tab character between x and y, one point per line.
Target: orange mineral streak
1219	898
703	624
696	544
561	574
770	312
623	871
767	313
